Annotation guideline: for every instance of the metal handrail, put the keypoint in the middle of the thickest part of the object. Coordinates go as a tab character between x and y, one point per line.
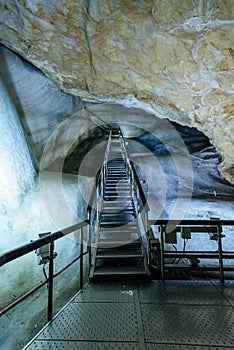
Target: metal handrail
135	174
50	239
140	202
194	222
99	174
195	226
106	129
32	246
94	207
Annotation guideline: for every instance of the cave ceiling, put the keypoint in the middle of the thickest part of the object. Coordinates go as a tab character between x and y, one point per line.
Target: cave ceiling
171	58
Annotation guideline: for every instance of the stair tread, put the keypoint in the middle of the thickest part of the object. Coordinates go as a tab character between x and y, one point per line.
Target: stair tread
108	232
114	223
121	193
109	181
120	196
120	229
120	270
112	198
115	237
114	254
117	209
114	244
119	185
123	216
120	207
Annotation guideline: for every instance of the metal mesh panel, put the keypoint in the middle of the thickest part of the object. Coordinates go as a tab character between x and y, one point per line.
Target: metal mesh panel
204	325
67	345
129	315
104	321
180	292
183	347
227	290
108	291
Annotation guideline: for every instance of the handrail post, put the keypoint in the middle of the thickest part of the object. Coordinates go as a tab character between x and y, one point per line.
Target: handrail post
89	245
220	253
148	238
81	258
162	229
50	283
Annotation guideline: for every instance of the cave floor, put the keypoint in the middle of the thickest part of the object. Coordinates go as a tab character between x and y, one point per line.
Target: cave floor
144	315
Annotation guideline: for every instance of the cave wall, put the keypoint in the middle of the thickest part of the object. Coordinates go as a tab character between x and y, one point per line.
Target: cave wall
172	58
40	104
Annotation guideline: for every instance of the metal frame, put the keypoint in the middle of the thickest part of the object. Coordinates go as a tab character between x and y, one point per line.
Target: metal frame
142	209
30	247
195	226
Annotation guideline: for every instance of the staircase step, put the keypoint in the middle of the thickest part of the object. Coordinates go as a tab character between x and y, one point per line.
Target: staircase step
118	165
119	254
114	224
129	227
111	175
113	196
120	210
107	244
123	193
117	160
117	217
116	172
119	270
117	187
116	177
118	237
126	194
119	175
118	203
111	181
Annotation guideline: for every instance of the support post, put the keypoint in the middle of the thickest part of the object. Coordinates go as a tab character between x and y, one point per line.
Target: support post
89	246
162	229
220	253
81	257
146	218
50	283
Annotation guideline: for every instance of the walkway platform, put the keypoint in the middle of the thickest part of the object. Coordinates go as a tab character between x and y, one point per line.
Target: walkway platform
129	315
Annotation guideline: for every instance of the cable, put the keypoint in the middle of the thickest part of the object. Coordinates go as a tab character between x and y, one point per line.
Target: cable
176	252
185	260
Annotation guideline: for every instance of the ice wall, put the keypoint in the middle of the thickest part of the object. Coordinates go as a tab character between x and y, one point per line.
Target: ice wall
17	172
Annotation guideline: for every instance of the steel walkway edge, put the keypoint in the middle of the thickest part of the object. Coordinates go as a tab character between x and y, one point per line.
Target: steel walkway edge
131	315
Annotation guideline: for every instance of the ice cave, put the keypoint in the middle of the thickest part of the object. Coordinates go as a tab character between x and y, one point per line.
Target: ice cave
116	148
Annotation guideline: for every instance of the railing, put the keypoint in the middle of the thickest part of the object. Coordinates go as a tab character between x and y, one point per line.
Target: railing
94	210
214	226
95	204
139	200
47	240
98	121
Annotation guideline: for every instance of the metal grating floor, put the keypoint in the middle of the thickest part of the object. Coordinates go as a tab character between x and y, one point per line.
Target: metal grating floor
128	315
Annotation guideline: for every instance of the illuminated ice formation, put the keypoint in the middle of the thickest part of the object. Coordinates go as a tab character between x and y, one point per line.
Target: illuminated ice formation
17	172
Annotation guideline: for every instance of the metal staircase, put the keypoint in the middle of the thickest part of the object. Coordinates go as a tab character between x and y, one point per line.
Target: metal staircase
118	249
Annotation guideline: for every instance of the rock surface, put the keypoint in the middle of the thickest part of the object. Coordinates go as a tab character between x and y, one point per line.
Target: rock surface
171	58
39	102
